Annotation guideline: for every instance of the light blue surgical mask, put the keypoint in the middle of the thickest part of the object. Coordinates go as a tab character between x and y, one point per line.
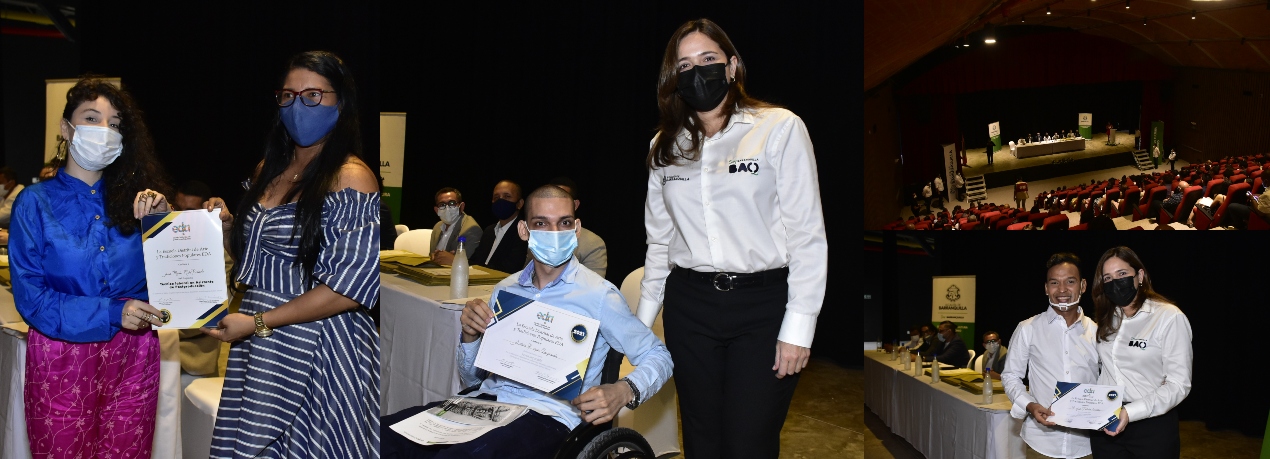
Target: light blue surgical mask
553	247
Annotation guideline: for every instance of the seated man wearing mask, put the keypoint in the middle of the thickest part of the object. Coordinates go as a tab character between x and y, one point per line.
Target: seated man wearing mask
500	248
591	249
454	224
555	277
953	352
994	353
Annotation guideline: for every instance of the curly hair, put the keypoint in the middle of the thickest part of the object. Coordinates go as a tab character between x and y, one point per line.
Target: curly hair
137	167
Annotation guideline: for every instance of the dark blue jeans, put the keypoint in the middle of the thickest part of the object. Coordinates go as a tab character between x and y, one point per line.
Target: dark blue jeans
533	435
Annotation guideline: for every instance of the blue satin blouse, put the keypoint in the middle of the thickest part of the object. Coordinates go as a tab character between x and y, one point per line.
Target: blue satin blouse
71	273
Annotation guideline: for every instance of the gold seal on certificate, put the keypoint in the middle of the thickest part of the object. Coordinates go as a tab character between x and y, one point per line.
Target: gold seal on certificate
1086	406
185	267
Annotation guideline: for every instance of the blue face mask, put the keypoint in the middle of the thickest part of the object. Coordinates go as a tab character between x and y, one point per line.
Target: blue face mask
553	247
306	124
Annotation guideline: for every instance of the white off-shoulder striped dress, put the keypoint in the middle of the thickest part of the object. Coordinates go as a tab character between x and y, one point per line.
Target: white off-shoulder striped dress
310	390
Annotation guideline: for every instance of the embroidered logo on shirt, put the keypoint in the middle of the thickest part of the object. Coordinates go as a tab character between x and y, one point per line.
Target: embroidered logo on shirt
1138	343
672	179
743	165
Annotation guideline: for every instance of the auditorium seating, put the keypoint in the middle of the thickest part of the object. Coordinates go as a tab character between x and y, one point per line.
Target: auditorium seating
1184	207
1156	193
1018	226
1208	189
1203	222
1055	222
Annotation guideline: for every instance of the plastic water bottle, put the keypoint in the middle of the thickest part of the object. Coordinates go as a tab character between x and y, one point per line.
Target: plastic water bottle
458	273
917	365
934	369
906	358
987	386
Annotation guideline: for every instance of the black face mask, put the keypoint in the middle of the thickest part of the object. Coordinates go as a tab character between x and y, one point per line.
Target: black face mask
703	87
1120	291
503	208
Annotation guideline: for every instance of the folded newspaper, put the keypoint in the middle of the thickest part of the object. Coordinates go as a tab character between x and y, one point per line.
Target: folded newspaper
459	419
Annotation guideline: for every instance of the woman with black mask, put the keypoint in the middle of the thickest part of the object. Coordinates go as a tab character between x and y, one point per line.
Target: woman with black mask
1144	344
733	206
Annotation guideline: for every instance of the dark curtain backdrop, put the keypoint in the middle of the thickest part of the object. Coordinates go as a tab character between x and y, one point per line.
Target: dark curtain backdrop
1031	79
28	61
530	92
1010	275
205	77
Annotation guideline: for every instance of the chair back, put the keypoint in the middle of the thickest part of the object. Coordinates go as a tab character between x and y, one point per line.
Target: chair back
1017	226
415	241
401	229
1208	190
1055	222
970	363
1255	222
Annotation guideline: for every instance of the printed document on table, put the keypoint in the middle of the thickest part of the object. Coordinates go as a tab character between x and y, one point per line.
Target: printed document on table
1086	406
185	267
538	345
460	419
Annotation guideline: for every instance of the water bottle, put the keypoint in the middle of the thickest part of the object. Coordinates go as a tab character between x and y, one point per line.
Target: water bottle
907	360
458	273
934	369
987	386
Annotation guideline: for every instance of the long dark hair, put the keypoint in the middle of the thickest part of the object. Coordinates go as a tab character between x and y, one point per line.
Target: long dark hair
321	174
1104	309
676	115
136	169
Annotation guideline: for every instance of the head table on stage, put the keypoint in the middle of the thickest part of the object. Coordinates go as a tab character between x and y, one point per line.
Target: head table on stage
1048	147
940	420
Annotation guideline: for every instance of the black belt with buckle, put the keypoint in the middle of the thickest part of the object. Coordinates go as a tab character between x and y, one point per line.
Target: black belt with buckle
724	282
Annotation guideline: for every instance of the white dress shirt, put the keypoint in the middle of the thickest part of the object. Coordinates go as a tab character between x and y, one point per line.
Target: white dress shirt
1150	355
499	230
1047	351
444	240
750	203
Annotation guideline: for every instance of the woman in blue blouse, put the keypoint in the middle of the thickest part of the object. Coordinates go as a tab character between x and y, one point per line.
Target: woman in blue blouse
92	368
303	374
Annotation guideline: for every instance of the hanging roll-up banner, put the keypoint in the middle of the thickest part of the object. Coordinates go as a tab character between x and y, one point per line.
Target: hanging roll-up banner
1086	125
392	152
953	299
994	131
1157	139
950	167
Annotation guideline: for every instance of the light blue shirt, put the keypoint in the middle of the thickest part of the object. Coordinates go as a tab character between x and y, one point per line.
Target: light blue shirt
582	291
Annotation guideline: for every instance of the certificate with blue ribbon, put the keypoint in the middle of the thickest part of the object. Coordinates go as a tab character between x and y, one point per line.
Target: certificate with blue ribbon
1086	406
539	345
185	267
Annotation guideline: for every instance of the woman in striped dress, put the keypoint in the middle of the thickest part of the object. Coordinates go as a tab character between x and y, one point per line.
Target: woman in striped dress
303	374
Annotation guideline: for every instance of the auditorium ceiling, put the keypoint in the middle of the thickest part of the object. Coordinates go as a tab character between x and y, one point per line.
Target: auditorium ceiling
1224	34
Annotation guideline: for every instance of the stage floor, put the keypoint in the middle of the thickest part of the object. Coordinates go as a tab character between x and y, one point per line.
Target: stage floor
1002	160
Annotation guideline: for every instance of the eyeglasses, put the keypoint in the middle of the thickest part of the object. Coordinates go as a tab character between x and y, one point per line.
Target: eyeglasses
992	341
451	203
310	97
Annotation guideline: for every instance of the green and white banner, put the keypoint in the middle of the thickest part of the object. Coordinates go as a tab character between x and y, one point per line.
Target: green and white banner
392	153
1086	122
950	167
1157	138
994	131
953	299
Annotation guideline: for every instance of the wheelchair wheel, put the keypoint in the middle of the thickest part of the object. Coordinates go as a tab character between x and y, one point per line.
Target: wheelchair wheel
618	443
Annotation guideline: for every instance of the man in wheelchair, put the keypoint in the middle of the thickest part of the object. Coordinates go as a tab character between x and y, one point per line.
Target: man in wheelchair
553	277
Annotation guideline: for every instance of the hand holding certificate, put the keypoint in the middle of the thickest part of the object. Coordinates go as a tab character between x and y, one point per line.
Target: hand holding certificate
185	267
1086	406
538	345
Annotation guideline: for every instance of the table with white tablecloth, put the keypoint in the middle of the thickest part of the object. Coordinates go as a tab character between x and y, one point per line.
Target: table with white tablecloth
940	420
13	438
1048	147
417	339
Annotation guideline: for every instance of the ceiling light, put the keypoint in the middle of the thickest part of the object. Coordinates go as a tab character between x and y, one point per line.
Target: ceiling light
1047	10
1192	15
1022	18
989	34
1126	4
1144	20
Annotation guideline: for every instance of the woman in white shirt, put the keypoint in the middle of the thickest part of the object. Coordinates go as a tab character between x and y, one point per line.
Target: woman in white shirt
1144	344
736	247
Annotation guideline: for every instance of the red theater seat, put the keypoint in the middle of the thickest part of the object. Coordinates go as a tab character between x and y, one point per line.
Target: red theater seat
1080	227
1140	212
1130	202
1056	222
1184	207
1255	222
1018	226
1203	222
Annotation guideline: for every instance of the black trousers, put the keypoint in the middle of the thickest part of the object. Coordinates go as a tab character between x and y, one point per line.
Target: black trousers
1151	438
723	345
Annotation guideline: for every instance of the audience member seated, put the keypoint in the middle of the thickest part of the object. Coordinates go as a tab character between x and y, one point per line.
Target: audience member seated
951	349
500	249
454	223
9	189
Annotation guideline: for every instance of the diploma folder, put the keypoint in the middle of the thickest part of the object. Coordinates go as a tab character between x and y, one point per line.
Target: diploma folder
185	267
1062	389
506	304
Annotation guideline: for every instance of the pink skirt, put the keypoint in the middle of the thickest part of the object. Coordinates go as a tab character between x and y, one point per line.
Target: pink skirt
92	400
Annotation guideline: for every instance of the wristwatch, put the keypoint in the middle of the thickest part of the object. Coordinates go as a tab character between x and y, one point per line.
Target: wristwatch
262	330
634	390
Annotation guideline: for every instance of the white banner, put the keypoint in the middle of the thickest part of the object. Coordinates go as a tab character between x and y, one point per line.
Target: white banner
392	152
994	129
953	299
1086	119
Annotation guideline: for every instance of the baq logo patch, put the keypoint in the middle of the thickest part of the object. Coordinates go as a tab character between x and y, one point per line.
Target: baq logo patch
1112	395
743	165
953	294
